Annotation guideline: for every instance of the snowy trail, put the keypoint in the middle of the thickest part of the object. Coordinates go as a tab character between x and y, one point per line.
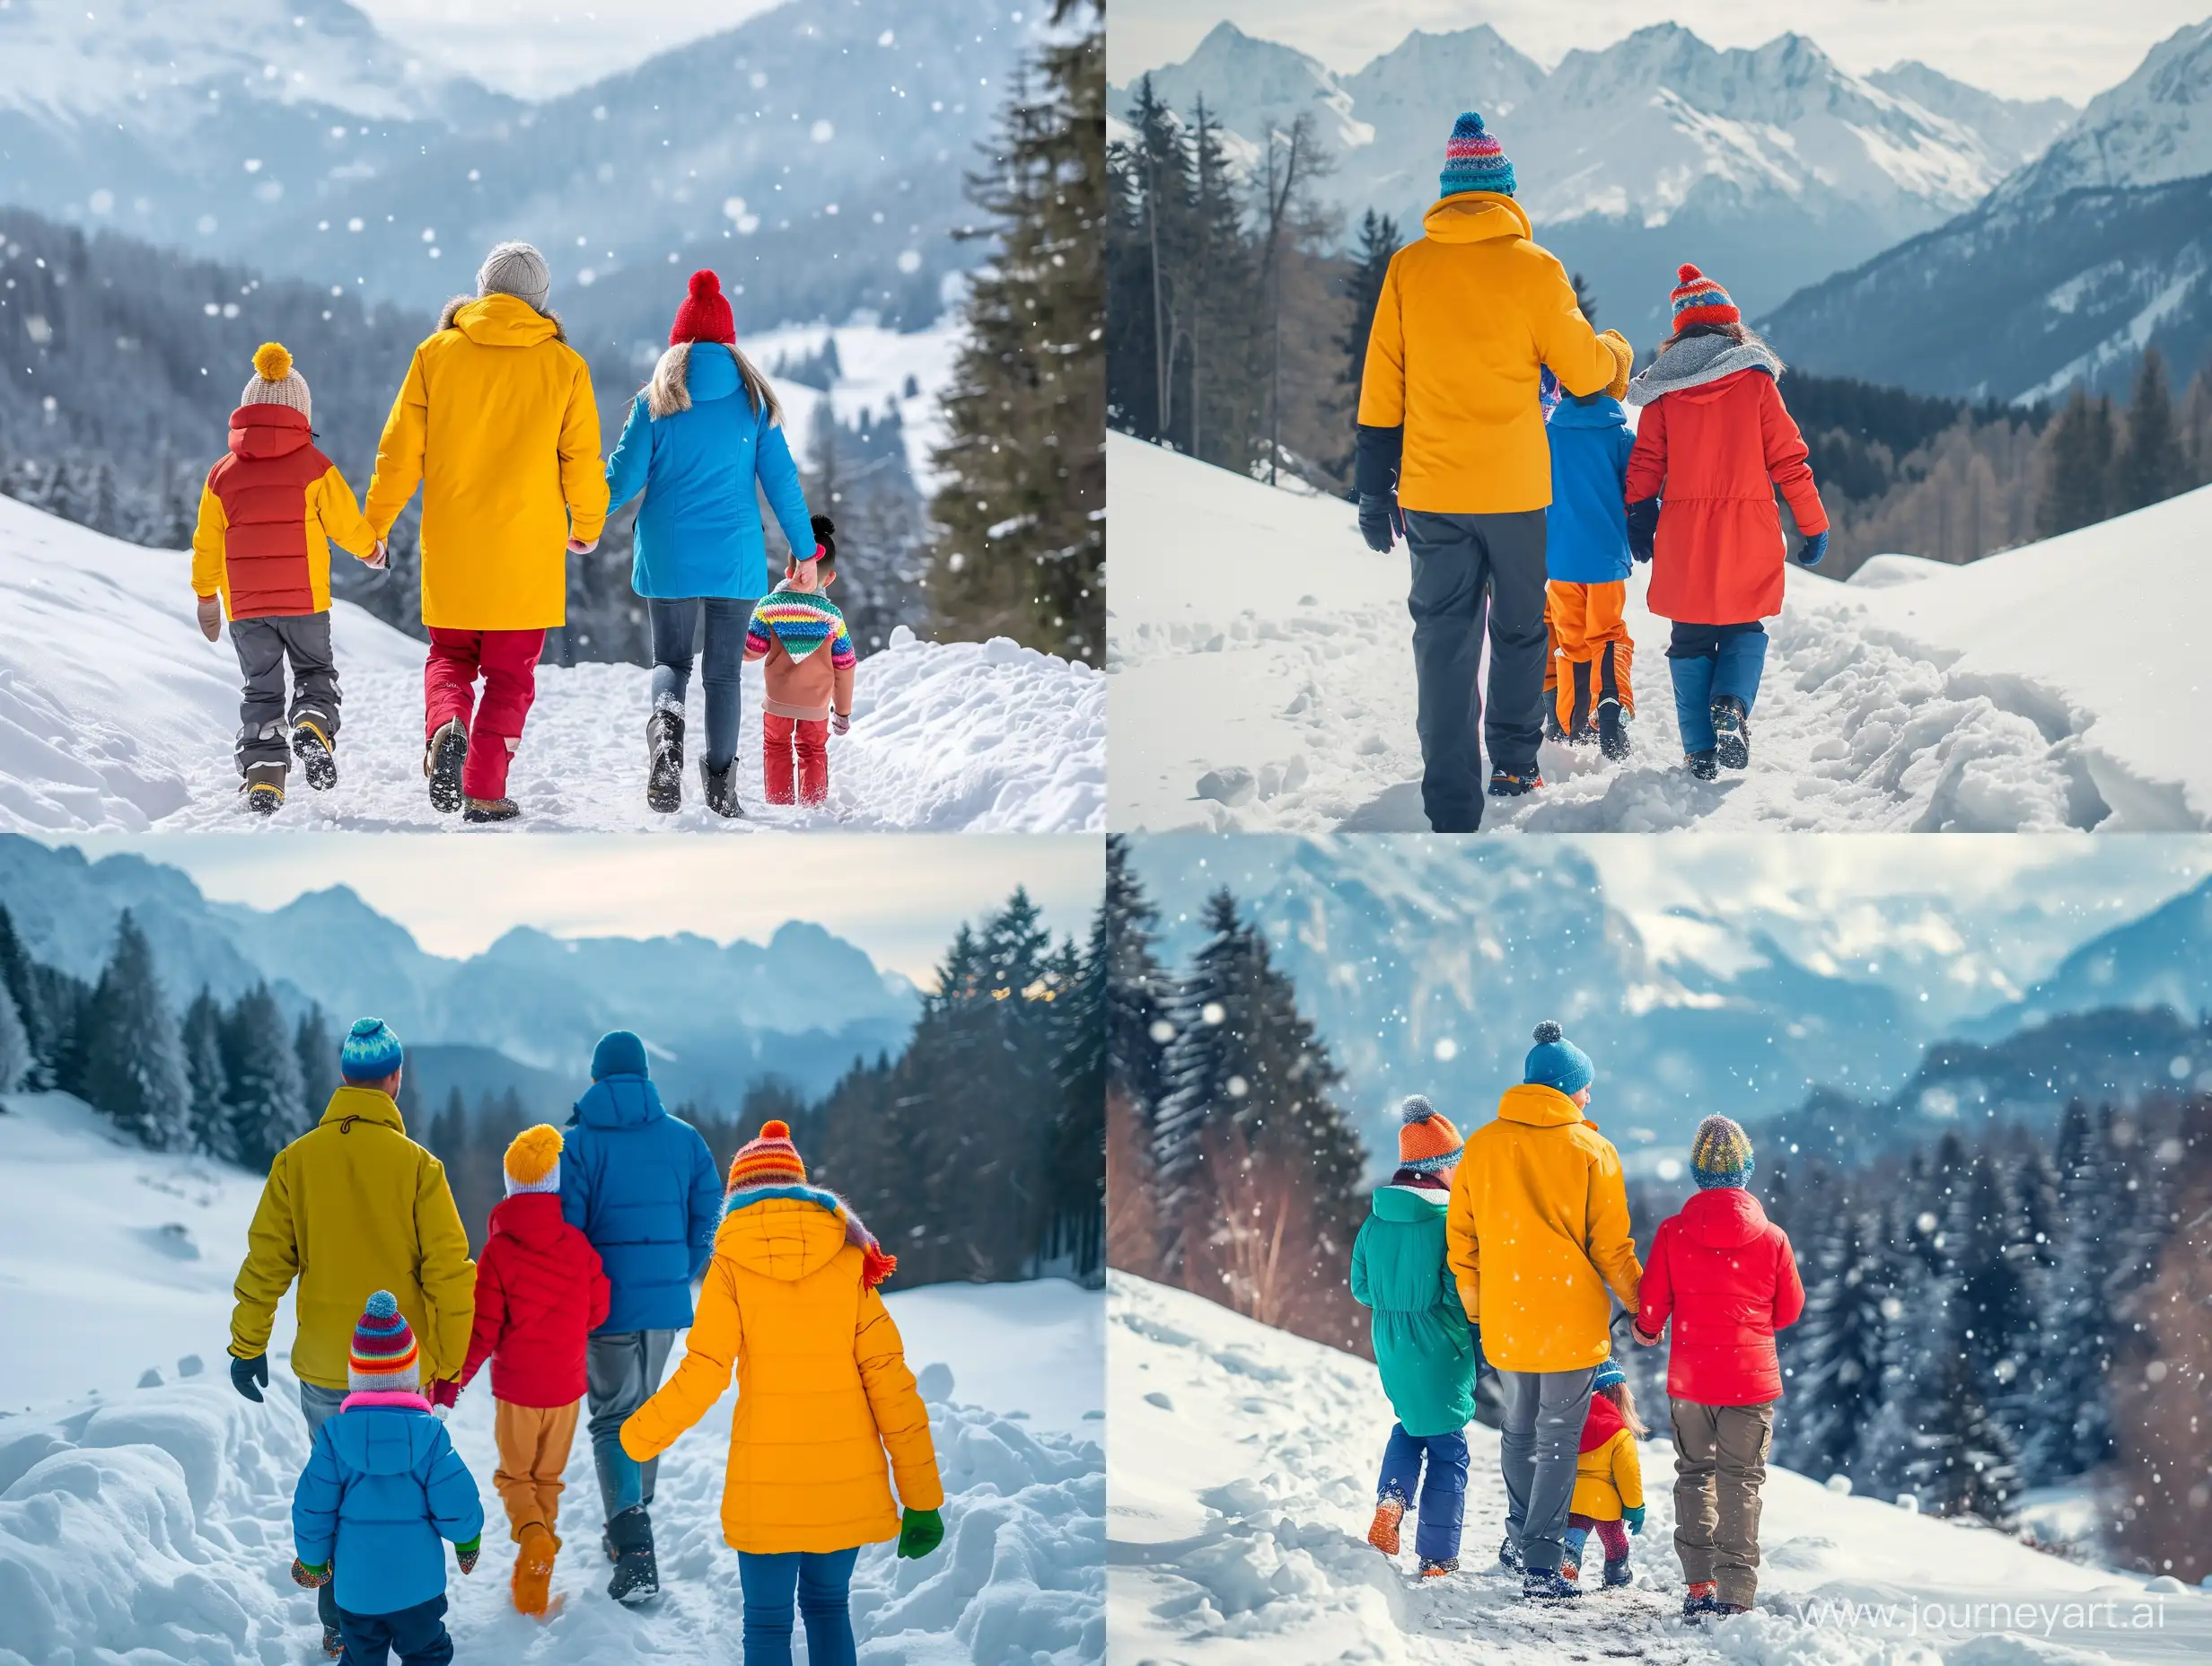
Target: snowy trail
1243	1483
1256	640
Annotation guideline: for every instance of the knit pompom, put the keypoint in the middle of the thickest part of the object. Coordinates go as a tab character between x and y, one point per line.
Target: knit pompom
383	1304
1549	1031
1687	274
704	284
776	1130
272	361
531	1154
1415	1109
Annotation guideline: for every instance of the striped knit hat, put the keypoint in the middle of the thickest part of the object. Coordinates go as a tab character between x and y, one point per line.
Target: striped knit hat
370	1052
534	1160
1426	1139
1721	1154
384	1355
274	382
772	1160
1473	160
1608	1374
1698	300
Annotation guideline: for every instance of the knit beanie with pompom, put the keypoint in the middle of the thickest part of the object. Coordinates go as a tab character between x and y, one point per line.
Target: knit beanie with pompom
275	382
533	1162
1473	160
384	1355
1426	1139
1555	1062
705	314
1697	299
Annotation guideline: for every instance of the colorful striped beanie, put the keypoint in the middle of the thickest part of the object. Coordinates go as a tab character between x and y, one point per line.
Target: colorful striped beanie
1426	1139
370	1052
772	1160
384	1355
1473	160
534	1160
803	620
1698	300
1721	1154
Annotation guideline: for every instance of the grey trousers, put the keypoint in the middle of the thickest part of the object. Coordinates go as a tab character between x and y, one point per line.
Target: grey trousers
1537	1451
264	646
318	1406
621	1369
1473	573
1720	1464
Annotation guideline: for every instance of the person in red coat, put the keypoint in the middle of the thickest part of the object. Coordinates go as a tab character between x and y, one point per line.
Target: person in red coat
1713	443
1726	1276
539	1293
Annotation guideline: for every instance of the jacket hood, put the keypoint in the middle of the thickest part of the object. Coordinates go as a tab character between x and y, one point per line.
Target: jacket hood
1603	1423
1603	411
1408	1202
352	1104
709	371
787	1232
620	1103
1475	217
530	1218
1727	1217
1540	1106
383	1439
267	431
1699	361
500	321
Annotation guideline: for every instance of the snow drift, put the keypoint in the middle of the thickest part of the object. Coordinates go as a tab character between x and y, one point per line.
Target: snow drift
115	714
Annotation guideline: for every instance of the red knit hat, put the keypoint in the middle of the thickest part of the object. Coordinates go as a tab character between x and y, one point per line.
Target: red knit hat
1698	300
772	1160
704	314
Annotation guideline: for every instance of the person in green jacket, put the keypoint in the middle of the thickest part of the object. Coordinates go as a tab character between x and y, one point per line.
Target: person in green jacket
1423	1343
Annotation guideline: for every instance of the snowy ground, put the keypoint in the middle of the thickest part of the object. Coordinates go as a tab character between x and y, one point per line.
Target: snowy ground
154	1521
1255	639
1242	1482
116	715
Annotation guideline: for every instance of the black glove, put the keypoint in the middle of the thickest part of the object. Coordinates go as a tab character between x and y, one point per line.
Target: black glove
246	1373
1643	528
826	535
1380	523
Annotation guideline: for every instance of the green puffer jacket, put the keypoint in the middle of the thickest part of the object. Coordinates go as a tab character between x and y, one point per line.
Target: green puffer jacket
1421	1339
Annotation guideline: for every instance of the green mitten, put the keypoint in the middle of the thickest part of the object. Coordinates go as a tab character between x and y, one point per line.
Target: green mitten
920	1532
467	1553
1634	1517
310	1577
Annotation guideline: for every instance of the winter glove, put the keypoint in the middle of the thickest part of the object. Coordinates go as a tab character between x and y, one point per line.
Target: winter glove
1634	1517
840	723
1815	548
825	537
210	611
1643	528
310	1577
920	1532
1379	522
246	1373
467	1554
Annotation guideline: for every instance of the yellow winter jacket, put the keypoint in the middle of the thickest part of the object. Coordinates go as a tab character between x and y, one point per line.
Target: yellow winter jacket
1608	1476
1468	317
822	1386
1537	1231
496	423
351	1207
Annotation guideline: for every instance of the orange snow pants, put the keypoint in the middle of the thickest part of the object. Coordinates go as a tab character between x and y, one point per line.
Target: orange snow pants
1592	652
533	1452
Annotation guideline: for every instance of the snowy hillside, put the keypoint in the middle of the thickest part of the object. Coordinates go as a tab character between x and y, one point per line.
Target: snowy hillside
1243	1481
115	714
1261	678
156	1520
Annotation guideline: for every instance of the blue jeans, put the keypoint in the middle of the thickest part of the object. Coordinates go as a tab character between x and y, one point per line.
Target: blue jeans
1441	1491
675	628
1709	661
318	1406
417	1636
822	1580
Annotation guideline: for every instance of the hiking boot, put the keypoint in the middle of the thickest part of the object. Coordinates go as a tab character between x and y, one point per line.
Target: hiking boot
1619	1574
1718	1610
533	1569
264	788
489	810
1731	732
1701	1600
1545	1585
1612	730
1509	1558
663	761
310	744
1382	1531
720	789
447	752
636	1576
1703	765
1504	784
1433	1568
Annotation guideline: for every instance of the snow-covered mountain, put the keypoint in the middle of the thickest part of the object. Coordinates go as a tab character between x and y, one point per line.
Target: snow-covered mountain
1771	167
2153	128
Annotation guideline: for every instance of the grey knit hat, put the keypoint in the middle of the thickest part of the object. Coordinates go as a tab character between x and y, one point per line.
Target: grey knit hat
515	269
274	382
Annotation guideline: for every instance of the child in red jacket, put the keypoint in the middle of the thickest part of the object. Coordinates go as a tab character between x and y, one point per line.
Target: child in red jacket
1726	1276
1714	440
539	1293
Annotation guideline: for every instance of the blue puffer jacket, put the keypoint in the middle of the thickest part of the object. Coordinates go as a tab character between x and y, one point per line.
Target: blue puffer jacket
641	1185
699	531
383	1489
1587	528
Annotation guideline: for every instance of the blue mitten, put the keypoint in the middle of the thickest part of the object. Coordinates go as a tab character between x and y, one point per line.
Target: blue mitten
1815	548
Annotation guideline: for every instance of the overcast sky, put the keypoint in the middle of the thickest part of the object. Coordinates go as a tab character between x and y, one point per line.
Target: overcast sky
900	897
537	47
2022	49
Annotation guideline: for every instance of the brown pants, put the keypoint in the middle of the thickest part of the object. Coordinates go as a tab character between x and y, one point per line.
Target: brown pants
533	1451
1720	1463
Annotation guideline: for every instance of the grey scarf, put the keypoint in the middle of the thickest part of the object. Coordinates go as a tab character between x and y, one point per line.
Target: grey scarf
1701	359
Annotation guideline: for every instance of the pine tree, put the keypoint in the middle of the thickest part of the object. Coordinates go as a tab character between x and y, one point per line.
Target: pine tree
16	1060
2080	443
1148	238
1137	987
1839	1347
318	1056
2152	468
202	1034
1963	1461
2073	1434
132	1058
1586	298
1370	264
268	1111
1023	545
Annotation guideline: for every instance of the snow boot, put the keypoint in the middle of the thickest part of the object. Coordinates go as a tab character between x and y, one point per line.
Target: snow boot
442	761
333	1642
1731	732
663	761
1507	786
1718	1610
489	810
720	786
1436	1567
1619	1574
312	746
264	788
534	1570
1612	730
1545	1585
637	1575
1701	1600
1509	1558
1382	1531
1703	765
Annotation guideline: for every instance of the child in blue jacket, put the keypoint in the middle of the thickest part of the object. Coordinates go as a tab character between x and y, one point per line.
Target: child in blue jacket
382	1487
704	431
1587	561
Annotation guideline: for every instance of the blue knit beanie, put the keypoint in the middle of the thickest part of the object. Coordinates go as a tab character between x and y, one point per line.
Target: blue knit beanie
1609	1373
1721	1154
618	1054
371	1051
1555	1062
1473	160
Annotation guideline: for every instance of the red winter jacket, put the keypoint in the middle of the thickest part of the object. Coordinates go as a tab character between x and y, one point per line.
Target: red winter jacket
539	1291
1715	452
1726	1275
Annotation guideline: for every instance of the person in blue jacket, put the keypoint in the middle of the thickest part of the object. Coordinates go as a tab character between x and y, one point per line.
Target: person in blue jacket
382	1490
698	437
1586	565
642	1186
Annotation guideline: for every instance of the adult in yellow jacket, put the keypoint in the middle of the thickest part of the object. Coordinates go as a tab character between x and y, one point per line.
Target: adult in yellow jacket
1452	454
789	1303
495	421
1537	1234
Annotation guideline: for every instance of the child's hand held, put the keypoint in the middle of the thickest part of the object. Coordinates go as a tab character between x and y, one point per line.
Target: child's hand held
920	1532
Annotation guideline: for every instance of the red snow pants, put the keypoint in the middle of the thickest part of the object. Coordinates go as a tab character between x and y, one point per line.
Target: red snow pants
507	660
809	739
